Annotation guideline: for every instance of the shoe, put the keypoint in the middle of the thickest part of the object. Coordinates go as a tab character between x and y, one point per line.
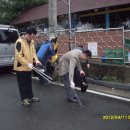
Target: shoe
35	78
34	99
72	100
75	98
25	103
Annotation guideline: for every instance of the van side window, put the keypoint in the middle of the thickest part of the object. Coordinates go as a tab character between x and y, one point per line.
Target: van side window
7	36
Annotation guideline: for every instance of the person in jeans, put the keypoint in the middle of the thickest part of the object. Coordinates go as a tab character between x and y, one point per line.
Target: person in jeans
25	56
67	64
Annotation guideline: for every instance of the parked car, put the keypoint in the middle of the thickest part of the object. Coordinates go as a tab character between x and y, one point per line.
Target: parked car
8	36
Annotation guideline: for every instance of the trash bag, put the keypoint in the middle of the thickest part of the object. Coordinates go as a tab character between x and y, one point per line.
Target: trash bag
80	81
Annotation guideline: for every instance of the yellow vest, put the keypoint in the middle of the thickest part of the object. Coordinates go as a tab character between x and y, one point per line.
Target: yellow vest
25	56
54	58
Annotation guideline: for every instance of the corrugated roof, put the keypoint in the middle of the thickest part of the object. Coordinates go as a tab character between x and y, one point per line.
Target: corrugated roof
93	4
62	8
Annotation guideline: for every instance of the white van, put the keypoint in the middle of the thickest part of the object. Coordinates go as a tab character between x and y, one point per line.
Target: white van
8	36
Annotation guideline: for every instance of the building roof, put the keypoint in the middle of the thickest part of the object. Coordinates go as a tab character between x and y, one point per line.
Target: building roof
62	8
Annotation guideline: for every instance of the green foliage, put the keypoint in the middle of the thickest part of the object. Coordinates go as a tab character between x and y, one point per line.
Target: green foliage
9	9
110	78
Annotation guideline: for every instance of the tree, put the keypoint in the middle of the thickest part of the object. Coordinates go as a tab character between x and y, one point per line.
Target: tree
10	9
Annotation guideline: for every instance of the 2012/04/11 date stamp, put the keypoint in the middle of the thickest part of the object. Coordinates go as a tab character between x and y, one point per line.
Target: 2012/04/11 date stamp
116	117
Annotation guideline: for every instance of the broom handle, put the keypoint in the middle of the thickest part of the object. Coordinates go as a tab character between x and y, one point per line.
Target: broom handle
41	74
78	98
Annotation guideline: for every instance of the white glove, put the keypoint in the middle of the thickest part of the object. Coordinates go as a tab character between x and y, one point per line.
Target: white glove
72	85
30	66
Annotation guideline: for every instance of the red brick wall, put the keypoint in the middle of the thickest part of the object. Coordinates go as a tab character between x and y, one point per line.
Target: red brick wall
104	39
63	44
112	39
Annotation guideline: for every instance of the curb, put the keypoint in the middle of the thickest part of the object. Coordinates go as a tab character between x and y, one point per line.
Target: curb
99	93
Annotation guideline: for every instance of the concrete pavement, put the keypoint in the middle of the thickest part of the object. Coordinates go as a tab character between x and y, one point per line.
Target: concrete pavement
54	113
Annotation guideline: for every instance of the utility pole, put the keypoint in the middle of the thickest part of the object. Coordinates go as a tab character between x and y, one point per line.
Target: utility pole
52	17
70	27
52	14
70	42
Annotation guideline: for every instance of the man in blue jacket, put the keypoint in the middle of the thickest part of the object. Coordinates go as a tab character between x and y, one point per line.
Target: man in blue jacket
45	52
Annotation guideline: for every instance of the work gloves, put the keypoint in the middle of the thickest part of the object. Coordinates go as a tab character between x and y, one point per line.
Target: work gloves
30	66
72	84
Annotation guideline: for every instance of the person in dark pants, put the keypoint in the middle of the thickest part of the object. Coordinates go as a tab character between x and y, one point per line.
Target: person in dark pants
25	56
24	87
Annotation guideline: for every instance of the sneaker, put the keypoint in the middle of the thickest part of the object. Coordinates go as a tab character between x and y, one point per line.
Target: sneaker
72	100
35	78
34	99
75	98
25	103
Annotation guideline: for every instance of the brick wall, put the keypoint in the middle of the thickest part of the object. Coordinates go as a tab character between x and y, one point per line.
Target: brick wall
112	39
105	39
